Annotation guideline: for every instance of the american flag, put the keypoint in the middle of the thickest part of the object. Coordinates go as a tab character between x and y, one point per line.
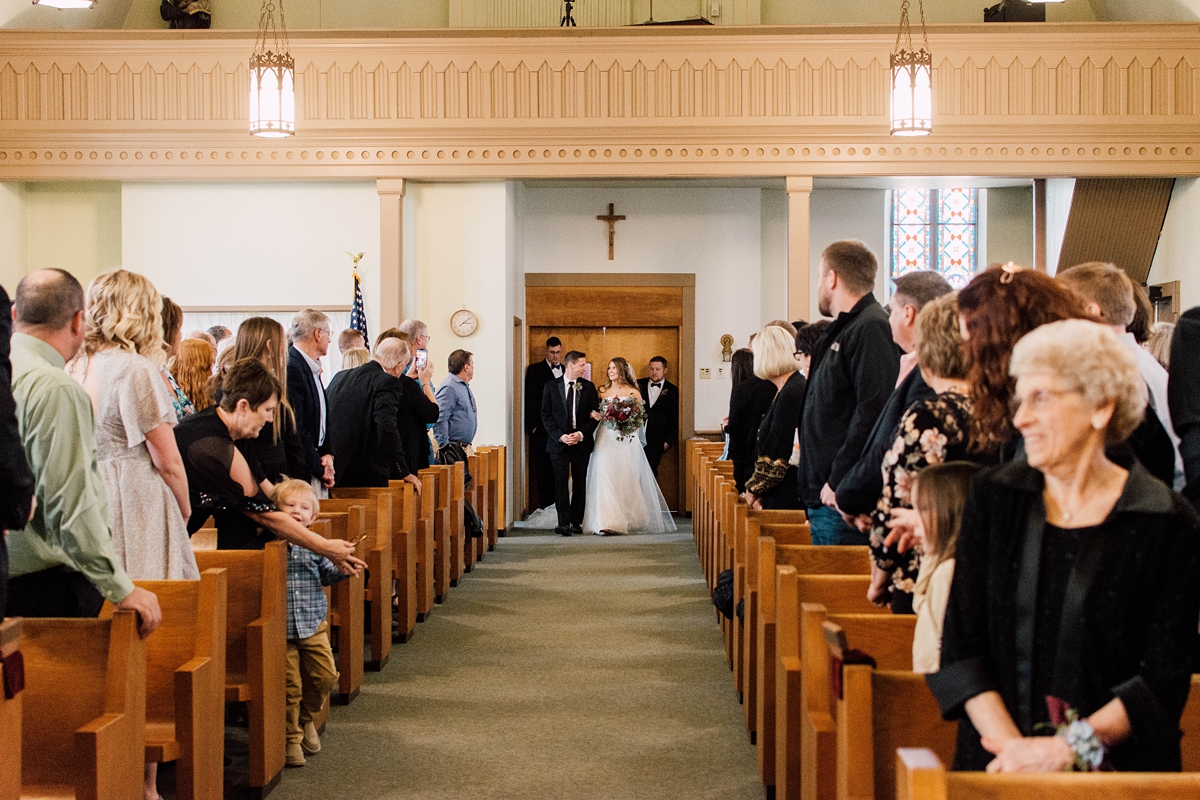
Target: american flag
358	317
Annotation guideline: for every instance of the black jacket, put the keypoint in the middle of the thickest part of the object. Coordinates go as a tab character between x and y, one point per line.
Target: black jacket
416	411
302	394
774	478
1183	396
1128	618
860	489
854	369
16	481
662	426
367	450
748	401
536	377
556	419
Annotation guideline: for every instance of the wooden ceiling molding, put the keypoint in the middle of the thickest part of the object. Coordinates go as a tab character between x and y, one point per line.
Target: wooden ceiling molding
1046	100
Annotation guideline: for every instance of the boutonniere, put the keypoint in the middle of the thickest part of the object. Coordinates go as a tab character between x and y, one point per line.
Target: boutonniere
662	391
578	385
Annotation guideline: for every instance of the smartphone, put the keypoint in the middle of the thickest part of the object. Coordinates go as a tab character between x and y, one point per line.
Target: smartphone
422	358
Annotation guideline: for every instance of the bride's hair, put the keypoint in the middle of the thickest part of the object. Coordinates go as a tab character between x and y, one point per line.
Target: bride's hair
624	374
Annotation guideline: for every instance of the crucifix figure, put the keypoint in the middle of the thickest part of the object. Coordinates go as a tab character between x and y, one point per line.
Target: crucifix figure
612	220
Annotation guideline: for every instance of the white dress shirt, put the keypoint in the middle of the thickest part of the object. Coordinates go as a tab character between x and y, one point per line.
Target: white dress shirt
1156	379
315	366
654	391
555	369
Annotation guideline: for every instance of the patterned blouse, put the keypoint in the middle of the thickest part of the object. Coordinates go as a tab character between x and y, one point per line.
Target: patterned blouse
183	406
932	431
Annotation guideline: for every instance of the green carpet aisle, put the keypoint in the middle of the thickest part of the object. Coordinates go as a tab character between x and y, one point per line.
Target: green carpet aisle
586	667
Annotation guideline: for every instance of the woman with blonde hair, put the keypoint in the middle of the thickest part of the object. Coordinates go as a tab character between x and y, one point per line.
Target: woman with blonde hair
192	369
355	357
136	453
622	493
774	482
276	449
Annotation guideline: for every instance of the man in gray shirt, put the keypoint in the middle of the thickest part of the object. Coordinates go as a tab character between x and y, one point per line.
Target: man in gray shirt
457	418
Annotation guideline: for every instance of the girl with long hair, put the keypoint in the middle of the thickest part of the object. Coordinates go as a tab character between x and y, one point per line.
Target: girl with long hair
192	369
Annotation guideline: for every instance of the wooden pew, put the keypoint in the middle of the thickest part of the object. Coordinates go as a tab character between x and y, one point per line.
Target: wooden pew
381	566
435	512
413	588
83	708
256	649
806	561
886	638
919	775
10	716
347	613
839	593
450	490
880	710
496	523
478	464
747	523
185	682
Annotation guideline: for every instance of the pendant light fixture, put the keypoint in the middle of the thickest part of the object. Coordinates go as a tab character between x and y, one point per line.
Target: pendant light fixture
65	4
272	78
912	80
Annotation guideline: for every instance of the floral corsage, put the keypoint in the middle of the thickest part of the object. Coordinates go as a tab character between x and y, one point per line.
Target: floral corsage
1086	745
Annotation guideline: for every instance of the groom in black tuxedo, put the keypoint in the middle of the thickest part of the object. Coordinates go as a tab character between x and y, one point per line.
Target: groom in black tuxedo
567	407
662	408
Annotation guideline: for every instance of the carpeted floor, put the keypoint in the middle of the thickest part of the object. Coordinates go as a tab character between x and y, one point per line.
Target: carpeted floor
576	668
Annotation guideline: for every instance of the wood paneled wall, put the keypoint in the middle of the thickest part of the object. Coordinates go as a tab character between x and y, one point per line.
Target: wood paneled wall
1117	221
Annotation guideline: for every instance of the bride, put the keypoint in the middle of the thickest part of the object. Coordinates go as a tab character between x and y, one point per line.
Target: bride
622	494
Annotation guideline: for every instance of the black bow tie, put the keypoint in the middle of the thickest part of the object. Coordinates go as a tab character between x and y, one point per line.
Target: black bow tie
659	385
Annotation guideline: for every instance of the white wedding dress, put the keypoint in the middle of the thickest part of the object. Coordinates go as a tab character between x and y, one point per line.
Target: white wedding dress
622	494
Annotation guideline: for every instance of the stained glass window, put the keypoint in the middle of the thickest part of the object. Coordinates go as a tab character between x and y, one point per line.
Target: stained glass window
936	229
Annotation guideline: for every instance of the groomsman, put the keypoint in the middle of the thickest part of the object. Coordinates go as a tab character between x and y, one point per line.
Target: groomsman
536	377
662	402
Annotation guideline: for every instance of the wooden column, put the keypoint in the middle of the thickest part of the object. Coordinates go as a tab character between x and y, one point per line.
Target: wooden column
391	251
799	189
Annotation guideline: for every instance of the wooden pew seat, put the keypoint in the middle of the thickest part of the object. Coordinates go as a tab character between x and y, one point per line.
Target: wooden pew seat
83	708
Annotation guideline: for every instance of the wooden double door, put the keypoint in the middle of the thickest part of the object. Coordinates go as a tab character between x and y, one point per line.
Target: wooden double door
635	323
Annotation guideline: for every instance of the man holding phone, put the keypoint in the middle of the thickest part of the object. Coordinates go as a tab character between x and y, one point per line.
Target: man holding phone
418	407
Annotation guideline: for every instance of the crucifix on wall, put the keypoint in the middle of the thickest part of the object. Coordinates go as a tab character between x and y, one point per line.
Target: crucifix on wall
612	220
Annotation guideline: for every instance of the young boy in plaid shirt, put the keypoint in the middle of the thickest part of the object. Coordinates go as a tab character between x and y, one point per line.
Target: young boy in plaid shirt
311	670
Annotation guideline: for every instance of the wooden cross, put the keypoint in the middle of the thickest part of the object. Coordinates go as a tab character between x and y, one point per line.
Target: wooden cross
612	220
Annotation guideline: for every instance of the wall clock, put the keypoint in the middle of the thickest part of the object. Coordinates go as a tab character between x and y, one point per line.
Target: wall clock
463	322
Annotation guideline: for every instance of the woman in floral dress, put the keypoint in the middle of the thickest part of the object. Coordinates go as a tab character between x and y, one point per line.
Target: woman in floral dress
932	431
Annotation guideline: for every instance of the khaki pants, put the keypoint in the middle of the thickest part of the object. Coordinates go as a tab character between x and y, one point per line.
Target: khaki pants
311	676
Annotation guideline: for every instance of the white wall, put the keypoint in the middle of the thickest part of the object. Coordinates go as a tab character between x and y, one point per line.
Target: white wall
1178	254
847	214
713	232
254	244
13	250
460	236
1009	234
773	247
1059	194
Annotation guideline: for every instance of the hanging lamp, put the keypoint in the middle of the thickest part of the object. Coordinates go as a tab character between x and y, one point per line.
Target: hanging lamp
912	80
272	78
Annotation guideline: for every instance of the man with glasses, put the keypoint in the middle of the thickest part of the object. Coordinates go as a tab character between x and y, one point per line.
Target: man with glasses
310	336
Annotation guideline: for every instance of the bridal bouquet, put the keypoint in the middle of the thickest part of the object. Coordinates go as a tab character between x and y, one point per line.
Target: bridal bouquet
624	415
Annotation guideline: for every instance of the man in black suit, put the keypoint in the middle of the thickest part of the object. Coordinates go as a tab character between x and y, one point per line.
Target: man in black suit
310	336
567	407
536	377
16	481
363	430
662	407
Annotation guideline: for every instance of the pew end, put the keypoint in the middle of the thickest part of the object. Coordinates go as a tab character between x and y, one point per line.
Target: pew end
94	745
920	775
10	714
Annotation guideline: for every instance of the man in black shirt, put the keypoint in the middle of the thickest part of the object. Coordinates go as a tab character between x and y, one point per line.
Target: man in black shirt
853	372
860	489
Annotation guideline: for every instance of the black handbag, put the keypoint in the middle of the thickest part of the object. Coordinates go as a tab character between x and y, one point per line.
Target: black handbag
722	596
452	453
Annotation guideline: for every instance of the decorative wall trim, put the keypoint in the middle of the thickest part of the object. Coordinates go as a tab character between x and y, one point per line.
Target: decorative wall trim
1043	99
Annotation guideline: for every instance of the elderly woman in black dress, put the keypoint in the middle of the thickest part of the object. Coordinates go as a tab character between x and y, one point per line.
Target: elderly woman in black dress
1077	579
749	399
773	483
224	484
